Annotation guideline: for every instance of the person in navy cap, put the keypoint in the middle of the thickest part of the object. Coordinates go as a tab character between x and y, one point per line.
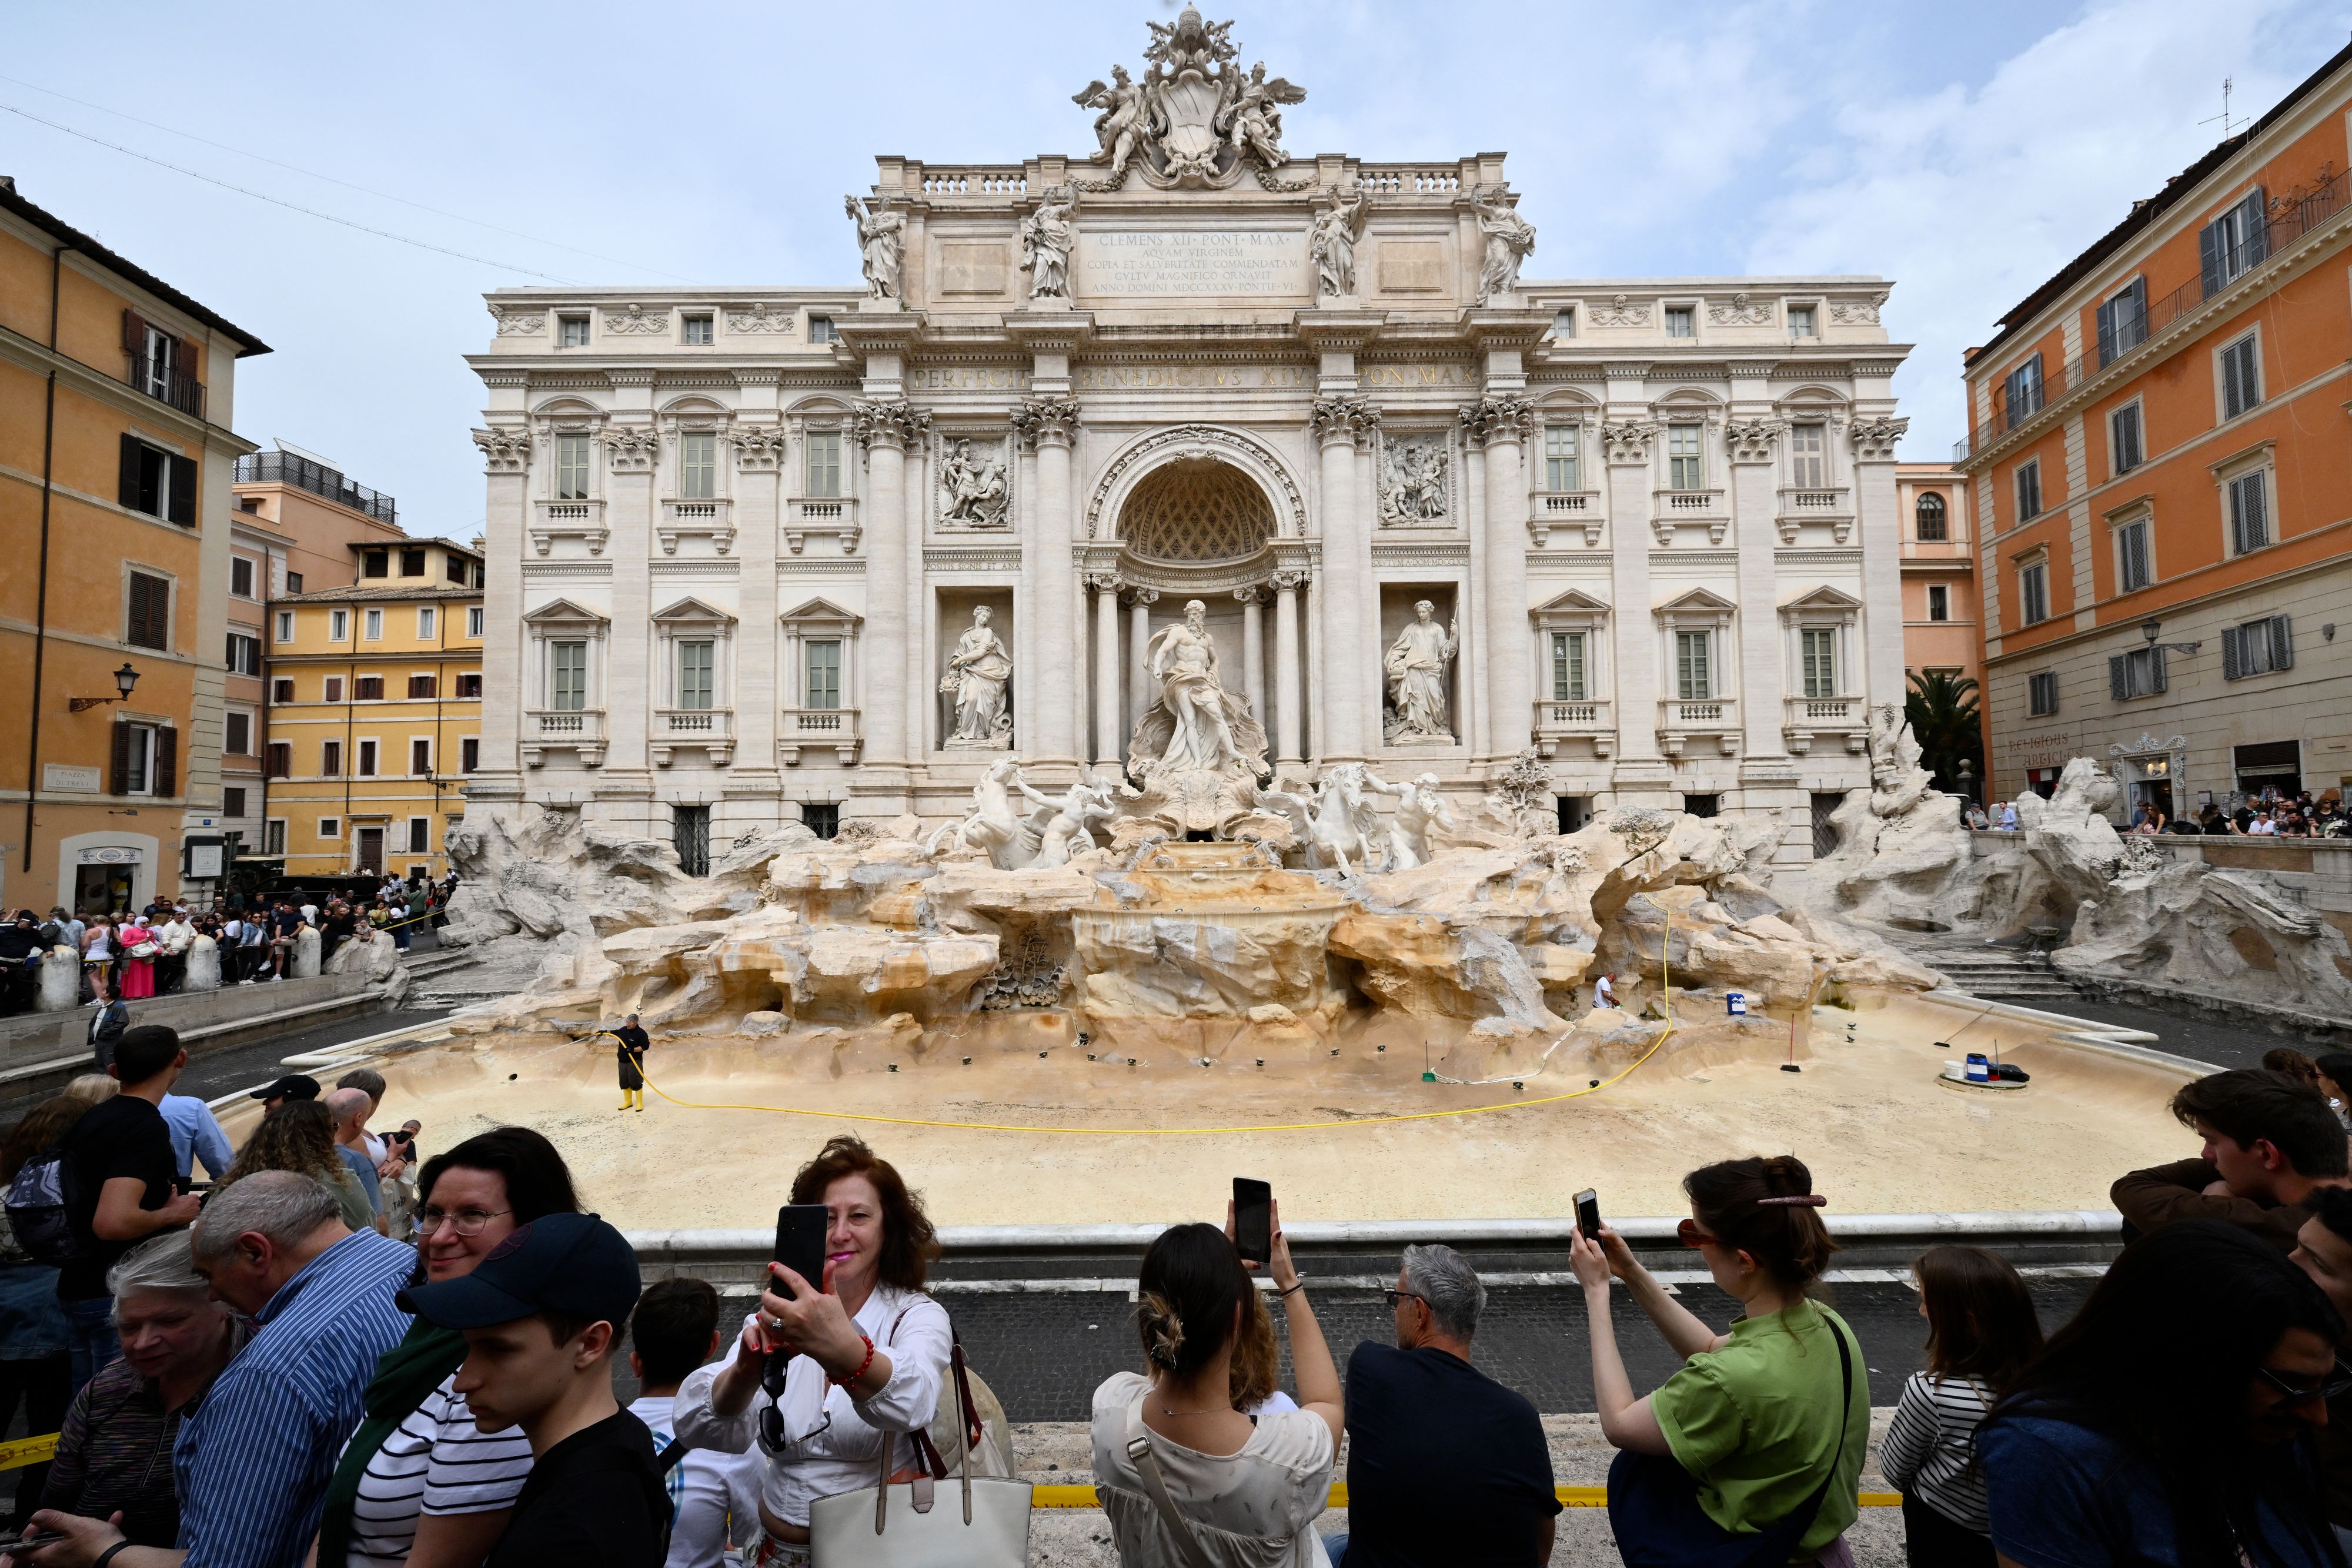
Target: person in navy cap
543	1316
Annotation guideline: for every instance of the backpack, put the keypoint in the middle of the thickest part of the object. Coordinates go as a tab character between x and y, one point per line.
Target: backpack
36	1204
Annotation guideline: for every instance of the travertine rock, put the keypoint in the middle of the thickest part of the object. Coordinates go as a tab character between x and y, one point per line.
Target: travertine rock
2228	932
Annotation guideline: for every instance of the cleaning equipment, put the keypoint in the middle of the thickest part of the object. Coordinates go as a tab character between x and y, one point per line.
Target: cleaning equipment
1734	1004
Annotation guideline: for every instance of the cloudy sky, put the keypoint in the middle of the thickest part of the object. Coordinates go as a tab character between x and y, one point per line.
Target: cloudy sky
1964	152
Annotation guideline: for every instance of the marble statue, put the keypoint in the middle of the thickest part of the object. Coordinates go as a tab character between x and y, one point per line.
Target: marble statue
1333	241
1047	236
1416	665
881	239
978	672
1420	811
1196	116
1413	482
1342	822
1510	240
1122	121
995	826
1192	727
977	489
1070	827
1254	121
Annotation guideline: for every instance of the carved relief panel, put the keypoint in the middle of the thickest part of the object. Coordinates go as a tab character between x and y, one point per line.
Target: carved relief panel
1417	480
973	477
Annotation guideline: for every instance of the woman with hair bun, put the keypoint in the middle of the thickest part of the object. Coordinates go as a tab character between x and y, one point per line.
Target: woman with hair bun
1760	1438
1184	1473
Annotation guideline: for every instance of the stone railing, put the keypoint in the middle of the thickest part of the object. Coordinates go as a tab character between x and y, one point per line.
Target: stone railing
1833	505
1683	719
1567	509
710	728
711	519
1408	180
990	180
800	728
1671	507
1828	718
1574	718
833	515
553	520
577	729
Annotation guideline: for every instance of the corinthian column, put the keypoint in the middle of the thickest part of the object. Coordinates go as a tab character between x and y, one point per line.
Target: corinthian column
1339	425
1107	735
1045	424
885	428
1288	744
1138	651
1500	425
1254	650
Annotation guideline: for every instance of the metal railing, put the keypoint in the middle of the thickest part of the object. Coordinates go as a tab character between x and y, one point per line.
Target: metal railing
285	468
169	384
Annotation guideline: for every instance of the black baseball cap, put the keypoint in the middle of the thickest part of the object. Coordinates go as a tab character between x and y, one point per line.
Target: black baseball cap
293	1086
576	1265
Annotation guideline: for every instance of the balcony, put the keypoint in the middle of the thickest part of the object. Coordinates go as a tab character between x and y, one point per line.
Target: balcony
1684	719
711	520
815	728
1832	504
1671	508
285	468
1577	719
581	730
832	515
1567	509
553	520
1807	720
711	729
167	383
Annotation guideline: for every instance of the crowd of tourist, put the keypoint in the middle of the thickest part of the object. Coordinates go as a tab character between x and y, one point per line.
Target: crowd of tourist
2267	815
325	1359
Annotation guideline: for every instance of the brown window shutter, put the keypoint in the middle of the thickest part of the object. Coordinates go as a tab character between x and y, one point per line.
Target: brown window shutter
126	478
167	761
181	506
119	780
134	334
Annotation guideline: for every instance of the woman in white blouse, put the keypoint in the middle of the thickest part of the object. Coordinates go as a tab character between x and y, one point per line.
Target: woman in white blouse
869	1351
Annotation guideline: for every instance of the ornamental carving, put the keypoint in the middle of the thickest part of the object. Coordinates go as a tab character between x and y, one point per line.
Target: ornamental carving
1627	440
635	320
504	451
750	320
1752	440
519	320
1103	581
1857	312
1288	580
1045	420
1740	310
631	450
1414	481
975	486
1196	119
1196	442
1622	310
1500	418
883	422
1342	418
1197	511
1875	440
760	448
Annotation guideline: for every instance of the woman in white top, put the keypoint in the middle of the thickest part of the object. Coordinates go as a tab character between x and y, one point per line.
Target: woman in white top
418	1483
1246	1489
868	1353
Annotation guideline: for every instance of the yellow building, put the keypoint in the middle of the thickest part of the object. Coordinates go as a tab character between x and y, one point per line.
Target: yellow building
116	394
376	707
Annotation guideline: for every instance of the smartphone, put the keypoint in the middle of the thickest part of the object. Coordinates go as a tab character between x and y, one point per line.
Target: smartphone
800	1243
1588	1214
1253	1220
29	1540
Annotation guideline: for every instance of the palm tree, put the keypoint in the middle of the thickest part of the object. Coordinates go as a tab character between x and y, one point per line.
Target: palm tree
1942	708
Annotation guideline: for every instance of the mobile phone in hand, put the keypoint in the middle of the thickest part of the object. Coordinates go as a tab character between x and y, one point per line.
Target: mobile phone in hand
1253	1220
32	1540
1588	1214
800	1244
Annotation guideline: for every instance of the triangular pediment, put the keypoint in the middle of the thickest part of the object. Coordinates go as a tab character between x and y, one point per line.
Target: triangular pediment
822	610
1698	600
692	609
1824	598
1575	601
563	612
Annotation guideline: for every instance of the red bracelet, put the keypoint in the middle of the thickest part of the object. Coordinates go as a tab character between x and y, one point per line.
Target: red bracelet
853	1377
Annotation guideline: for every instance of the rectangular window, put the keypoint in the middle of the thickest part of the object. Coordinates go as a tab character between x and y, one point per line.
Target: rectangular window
470	686
375	563
334	689
2021	392
159	483
420	758
240	576
690	836
425	622
2029	490
339	626
367	758
1685	467
696	329
2041	693
571	331
452	568
824	448
697	664
1567	667
2132	571
1560	456
2258	647
697	466
244	654
329	827
820	330
572	461
1693	679
331	759
232	803
1703	805
2137	674
567	676
236	737
1801	321
281	691
1808	456
1682	321
140	754
273	836
1939	601
2250	513
286	625
374	633
412	563
823	673
1563	322
293	582
2033	594
2233	244
822	818
420	835
469	754
473	620
2123	323
2241	378
1819	651
367	688
423	685
150	618
2126	444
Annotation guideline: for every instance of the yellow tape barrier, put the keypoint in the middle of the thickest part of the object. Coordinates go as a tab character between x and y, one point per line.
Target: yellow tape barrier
1570	1497
26	1451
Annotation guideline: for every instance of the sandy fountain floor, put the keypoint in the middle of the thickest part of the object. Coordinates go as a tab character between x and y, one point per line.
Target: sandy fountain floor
1880	1134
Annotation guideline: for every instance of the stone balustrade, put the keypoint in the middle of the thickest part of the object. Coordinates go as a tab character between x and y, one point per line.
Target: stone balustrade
1575	718
1684	719
1806	719
808	728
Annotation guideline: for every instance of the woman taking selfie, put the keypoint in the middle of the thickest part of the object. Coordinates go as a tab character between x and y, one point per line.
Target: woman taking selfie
418	1484
1762	1432
1183	1473
868	1353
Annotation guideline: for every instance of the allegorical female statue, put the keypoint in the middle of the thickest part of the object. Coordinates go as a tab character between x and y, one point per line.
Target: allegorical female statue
978	672
881	240
1415	666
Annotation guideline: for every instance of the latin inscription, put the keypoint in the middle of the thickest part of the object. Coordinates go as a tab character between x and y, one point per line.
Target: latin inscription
959	378
1108	378
1159	264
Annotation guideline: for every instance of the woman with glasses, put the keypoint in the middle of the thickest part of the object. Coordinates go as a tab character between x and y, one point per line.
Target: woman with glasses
2176	1420
1759	1437
418	1483
827	1370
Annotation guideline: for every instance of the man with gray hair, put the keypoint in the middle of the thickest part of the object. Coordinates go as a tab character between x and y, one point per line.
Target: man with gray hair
254	1457
349	1108
1446	1467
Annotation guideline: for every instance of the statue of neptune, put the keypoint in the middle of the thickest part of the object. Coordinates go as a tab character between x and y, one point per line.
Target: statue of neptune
1197	725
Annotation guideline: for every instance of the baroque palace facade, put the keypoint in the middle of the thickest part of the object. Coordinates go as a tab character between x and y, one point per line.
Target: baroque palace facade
830	552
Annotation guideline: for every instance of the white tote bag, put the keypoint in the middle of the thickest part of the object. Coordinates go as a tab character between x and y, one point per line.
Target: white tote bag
900	1526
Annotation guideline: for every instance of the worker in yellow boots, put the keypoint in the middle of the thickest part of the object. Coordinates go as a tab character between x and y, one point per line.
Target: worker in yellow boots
632	1042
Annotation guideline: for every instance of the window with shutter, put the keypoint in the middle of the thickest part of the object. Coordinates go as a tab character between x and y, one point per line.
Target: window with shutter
2250	527
2029	490
2233	244
697	466
420	758
2126	446
167	761
2042	691
2241	378
824	662
330	758
2282	642
281	759
367	758
567	683
127	481
2021	392
236	737
118	777
182	508
151	612
1692	680
1819	650
2131	555
1567	682
1806	469
423	685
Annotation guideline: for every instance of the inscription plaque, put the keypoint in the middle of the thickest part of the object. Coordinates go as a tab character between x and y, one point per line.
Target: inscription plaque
1165	264
971	266
1412	267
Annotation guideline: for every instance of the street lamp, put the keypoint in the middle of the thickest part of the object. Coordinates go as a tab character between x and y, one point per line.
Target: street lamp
124	679
2150	629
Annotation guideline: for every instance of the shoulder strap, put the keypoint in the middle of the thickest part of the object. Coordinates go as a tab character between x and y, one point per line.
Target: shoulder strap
1809	1509
1138	1452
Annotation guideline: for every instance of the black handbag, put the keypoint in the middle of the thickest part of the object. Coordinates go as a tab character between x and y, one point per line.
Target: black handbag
1655	1513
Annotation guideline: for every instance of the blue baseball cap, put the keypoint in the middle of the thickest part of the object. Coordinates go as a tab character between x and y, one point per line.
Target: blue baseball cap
575	1265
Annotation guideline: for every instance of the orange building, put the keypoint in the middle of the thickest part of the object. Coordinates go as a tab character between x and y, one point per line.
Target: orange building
2160	471
1941	631
116	394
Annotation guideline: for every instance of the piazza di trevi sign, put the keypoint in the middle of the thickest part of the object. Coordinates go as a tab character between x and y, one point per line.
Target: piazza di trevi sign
1187	465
